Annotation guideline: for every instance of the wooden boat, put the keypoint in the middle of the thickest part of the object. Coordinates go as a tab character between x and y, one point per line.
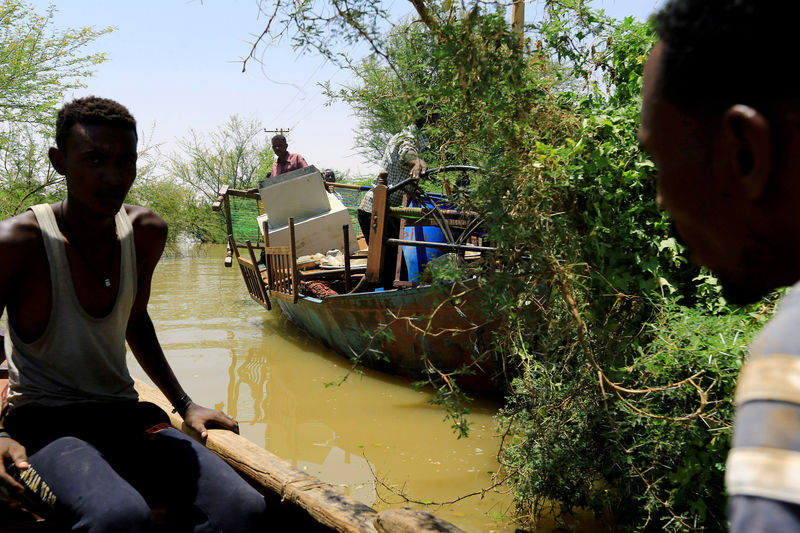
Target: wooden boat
298	502
415	329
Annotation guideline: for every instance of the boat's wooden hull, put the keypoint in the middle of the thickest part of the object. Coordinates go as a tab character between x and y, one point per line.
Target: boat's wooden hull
406	332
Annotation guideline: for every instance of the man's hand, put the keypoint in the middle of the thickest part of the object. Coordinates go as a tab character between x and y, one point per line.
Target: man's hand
419	168
11	452
198	417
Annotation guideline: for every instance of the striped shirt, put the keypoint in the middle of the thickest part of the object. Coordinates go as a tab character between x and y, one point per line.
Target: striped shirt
763	468
401	148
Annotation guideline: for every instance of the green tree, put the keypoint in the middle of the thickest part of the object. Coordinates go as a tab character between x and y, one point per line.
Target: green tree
39	64
237	154
384	102
26	176
187	214
188	217
619	396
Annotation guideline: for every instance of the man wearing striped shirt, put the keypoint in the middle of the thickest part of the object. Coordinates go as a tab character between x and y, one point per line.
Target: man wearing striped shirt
401	160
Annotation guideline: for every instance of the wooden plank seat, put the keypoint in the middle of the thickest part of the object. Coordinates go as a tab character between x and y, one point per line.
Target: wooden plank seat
329	273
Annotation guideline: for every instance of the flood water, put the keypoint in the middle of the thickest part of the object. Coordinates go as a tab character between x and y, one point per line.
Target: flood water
231	353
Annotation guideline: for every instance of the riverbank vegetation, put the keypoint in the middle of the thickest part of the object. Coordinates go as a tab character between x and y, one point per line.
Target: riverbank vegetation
39	64
621	356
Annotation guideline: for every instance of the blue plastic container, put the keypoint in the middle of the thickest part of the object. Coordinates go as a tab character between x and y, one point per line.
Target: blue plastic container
417	258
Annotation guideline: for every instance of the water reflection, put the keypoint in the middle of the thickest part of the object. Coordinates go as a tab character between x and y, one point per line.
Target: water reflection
230	353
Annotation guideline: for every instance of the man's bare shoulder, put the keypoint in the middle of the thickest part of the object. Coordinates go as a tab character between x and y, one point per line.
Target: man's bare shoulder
149	230
20	232
146	220
22	250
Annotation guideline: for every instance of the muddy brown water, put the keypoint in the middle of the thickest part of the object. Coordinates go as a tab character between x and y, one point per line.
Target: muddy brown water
231	353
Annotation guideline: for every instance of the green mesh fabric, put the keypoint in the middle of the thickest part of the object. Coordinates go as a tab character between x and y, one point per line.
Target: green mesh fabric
352	199
243	219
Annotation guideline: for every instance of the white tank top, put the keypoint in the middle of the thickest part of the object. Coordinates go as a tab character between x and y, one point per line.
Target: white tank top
78	357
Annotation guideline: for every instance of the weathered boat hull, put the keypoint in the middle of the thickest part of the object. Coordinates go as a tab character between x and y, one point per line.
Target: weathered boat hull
416	331
408	332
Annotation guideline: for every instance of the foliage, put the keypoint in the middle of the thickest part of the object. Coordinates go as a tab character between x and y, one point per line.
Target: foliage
384	102
681	460
188	219
38	66
26	177
619	384
233	155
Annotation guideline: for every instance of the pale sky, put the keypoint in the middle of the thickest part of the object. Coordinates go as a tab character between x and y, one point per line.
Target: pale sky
176	64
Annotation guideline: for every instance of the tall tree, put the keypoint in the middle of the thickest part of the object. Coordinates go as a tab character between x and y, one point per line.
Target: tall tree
620	387
237	154
38	65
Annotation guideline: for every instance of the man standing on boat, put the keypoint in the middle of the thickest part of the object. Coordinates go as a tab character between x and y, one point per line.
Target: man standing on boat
75	279
721	119
285	162
401	160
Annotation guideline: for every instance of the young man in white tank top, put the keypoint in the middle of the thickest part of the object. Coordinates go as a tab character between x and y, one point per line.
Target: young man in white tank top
75	281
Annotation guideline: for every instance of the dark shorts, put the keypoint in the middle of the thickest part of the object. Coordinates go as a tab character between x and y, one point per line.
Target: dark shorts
100	424
105	466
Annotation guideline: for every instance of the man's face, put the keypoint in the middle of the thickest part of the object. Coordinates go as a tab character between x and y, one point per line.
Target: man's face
695	187
279	147
99	163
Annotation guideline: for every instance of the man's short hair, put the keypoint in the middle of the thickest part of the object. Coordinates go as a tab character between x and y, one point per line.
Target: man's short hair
280	138
724	52
91	110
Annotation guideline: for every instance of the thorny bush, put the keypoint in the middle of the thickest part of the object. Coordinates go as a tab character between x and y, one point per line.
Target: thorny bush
621	356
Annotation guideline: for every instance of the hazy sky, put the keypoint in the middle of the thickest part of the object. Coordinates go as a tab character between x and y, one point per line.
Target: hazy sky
176	64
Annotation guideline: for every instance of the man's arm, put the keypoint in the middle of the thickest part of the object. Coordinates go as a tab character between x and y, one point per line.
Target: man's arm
418	165
11	451
410	155
150	232
12	248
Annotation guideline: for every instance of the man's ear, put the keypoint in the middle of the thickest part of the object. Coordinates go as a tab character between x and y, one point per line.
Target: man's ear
749	148
57	159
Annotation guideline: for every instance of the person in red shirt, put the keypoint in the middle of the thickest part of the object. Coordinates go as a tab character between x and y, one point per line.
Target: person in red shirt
286	162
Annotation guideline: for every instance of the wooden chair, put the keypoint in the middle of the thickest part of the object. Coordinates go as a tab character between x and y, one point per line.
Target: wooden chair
281	267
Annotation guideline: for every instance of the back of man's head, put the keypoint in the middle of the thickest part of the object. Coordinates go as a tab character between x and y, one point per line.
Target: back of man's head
724	52
91	110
